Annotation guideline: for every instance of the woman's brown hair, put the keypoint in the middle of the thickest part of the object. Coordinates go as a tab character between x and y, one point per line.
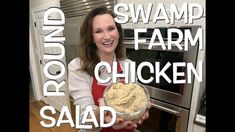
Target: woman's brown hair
87	49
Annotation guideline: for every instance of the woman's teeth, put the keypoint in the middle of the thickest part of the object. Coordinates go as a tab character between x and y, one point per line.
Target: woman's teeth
107	43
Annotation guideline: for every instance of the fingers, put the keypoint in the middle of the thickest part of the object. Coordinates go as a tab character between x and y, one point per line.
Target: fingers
149	105
125	124
131	126
145	115
119	120
120	123
140	122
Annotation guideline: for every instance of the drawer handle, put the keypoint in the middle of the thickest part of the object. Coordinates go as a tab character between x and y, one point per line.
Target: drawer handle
177	113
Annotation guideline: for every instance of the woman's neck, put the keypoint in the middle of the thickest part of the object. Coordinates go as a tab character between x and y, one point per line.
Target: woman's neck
107	58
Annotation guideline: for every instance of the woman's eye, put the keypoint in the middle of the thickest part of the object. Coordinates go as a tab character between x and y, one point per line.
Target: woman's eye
112	28
98	31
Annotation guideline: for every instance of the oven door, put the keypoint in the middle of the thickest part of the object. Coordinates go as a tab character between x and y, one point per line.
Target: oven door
178	94
165	118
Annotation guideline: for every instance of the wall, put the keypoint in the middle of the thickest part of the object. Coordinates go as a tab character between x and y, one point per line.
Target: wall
72	34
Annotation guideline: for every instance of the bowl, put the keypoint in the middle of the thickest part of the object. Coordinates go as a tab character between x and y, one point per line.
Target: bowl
130	101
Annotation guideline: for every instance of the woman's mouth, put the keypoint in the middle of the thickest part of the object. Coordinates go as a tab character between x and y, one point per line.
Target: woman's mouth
107	43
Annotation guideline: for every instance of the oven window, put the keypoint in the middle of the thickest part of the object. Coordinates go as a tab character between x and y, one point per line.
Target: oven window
160	121
162	57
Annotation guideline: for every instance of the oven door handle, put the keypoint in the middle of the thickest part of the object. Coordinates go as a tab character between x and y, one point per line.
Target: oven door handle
177	113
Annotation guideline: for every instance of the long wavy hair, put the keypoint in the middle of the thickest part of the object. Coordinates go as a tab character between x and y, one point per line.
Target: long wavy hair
87	49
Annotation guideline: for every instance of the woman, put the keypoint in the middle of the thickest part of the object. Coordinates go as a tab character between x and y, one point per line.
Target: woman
100	40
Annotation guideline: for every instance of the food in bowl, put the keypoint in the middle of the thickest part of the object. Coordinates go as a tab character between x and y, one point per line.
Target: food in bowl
129	100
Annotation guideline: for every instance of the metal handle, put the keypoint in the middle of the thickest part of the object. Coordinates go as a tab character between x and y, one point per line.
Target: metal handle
177	113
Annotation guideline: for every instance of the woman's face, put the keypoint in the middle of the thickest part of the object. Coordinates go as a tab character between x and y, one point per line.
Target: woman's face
105	34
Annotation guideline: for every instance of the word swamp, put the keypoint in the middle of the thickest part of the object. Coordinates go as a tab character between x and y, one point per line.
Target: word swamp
187	12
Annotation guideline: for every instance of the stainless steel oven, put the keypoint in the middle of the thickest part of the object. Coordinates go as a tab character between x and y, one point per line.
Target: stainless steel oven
171	102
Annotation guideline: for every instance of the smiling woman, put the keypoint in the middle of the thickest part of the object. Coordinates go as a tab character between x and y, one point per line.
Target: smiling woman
100	41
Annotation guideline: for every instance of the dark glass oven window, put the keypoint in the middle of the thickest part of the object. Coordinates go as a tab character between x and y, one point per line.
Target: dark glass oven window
160	121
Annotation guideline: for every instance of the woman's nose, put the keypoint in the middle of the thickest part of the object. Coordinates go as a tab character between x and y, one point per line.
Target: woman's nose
106	35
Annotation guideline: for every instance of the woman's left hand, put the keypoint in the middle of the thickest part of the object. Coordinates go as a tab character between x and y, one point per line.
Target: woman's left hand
145	115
